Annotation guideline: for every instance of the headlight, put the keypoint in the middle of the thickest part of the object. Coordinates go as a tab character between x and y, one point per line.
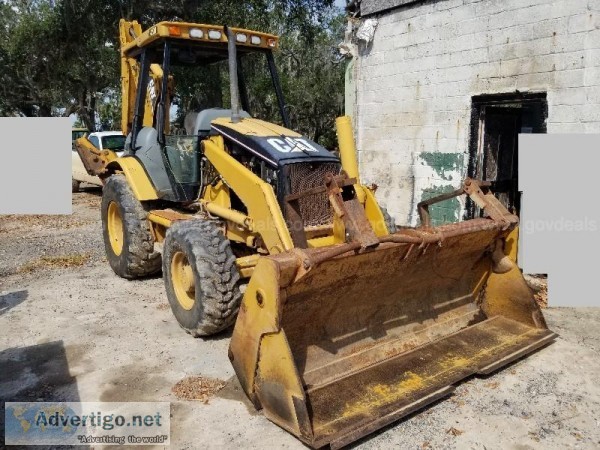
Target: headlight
256	40
214	34
242	38
196	33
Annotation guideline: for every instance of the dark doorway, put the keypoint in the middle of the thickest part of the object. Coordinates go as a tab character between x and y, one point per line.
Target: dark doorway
496	122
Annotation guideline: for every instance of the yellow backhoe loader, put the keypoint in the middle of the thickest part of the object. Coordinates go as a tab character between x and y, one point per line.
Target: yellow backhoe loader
344	324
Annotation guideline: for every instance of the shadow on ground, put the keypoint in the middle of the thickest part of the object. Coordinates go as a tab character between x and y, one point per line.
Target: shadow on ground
39	373
10	300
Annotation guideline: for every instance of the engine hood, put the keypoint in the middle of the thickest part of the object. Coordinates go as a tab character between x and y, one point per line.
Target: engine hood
274	144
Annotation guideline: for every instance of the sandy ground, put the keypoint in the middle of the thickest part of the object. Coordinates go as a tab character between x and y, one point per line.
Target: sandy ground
80	333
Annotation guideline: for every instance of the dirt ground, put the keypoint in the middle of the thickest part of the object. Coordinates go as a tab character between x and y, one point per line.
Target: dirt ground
72	330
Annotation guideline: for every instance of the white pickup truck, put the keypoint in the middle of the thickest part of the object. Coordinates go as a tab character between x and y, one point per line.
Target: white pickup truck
103	140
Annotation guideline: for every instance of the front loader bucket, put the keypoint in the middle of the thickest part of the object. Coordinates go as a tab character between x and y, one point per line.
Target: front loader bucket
334	346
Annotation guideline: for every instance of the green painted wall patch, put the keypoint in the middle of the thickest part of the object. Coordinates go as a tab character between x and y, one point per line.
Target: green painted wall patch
444	163
443	212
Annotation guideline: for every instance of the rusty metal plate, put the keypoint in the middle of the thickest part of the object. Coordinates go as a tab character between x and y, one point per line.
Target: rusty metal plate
170	215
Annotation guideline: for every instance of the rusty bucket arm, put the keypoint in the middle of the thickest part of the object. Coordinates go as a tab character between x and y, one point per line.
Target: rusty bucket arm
93	159
335	343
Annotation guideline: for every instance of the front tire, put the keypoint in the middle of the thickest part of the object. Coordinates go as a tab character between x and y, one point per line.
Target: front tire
201	277
75	185
128	241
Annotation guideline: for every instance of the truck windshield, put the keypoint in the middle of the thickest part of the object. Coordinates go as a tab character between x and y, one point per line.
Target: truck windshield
115	143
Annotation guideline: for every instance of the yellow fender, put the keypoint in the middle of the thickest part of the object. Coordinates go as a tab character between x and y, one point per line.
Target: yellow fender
374	214
136	177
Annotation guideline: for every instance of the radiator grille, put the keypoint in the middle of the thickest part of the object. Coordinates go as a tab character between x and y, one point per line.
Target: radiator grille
315	209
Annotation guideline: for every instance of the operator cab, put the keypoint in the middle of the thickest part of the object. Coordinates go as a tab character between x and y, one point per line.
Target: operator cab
201	60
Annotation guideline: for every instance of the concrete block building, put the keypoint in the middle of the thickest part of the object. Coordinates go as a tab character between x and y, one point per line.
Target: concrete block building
442	88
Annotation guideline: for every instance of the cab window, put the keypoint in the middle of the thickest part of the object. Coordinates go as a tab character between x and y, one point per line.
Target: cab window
94	141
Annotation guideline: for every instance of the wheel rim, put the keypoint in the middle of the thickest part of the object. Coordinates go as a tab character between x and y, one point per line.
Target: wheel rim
182	278
115	228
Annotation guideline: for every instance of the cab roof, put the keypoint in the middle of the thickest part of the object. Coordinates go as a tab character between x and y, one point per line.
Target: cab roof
200	35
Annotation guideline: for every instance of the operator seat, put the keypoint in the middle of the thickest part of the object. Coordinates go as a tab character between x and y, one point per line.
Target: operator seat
206	116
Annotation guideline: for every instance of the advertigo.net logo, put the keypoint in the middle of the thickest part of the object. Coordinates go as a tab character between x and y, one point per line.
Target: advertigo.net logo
38	423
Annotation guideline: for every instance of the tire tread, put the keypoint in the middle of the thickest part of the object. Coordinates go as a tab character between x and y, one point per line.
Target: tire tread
138	250
216	270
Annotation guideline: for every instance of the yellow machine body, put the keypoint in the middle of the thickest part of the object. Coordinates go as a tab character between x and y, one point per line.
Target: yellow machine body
347	327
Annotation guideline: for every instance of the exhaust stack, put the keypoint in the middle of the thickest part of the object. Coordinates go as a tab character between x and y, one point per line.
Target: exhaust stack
233	77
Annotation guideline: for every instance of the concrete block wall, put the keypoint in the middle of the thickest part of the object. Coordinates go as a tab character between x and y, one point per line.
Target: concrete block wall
416	79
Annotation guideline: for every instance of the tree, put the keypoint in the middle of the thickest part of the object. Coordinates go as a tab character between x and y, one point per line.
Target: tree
60	57
109	110
28	56
313	80
57	56
88	36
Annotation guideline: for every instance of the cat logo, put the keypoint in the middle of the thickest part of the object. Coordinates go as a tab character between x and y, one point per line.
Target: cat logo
291	145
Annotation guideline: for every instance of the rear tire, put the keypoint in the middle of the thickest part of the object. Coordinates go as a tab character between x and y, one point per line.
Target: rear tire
75	185
390	223
201	277
128	241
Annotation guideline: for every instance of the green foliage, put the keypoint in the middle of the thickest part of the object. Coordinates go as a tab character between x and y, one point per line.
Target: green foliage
109	110
88	34
60	57
57	56
313	80
28	57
